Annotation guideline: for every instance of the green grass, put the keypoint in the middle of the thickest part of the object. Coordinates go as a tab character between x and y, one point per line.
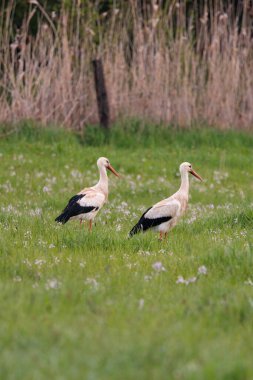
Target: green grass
76	305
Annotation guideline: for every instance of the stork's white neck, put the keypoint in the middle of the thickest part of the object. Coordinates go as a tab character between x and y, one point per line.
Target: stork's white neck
103	180
184	188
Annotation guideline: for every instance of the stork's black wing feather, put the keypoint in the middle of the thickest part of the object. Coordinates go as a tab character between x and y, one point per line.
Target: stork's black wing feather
73	200
73	208
146	223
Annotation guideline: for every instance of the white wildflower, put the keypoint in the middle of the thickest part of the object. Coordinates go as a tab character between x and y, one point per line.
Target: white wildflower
192	279
202	270
27	262
158	267
17	279
118	227
36	212
92	281
46	189
181	280
141	303
39	262
52	283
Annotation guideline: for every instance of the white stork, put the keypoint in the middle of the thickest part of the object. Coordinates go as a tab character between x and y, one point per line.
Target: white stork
86	204
165	214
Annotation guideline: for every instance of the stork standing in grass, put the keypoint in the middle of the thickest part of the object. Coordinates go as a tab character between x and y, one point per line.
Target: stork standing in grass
86	204
165	214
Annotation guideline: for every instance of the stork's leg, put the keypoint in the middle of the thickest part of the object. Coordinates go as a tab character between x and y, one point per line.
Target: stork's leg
165	235
90	225
161	236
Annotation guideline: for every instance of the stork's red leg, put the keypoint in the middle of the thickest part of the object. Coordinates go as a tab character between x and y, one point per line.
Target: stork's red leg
165	235
161	236
90	225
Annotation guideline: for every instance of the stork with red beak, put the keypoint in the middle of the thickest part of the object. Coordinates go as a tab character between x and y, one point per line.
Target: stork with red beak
165	214
86	204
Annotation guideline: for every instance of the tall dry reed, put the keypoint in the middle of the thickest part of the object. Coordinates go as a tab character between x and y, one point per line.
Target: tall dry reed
168	68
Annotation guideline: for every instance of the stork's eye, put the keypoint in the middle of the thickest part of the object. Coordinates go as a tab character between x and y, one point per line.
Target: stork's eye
190	166
107	161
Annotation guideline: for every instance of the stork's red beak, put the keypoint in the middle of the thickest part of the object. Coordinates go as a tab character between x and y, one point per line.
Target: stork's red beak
196	174
113	170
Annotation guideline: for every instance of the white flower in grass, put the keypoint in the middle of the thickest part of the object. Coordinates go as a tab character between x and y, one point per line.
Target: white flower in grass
158	267
181	280
36	212
251	302
249	282
57	260
118	227
76	174
39	174
92	282
39	262
27	263
144	253
147	277
202	270
51	246
141	304
191	279
52	283
17	279
46	189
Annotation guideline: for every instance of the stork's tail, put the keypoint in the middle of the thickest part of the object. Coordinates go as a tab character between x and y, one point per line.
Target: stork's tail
136	229
63	218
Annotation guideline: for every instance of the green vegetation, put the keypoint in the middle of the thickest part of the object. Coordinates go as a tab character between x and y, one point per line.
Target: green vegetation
76	305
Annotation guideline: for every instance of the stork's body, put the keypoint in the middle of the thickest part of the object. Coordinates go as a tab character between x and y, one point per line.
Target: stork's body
86	204
165	214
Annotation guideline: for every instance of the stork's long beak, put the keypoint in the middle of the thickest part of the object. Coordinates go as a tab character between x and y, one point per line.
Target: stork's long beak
113	170
196	174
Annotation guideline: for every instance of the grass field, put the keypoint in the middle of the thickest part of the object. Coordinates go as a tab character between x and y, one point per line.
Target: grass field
76	305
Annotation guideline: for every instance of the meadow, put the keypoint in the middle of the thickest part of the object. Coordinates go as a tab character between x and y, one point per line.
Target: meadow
76	305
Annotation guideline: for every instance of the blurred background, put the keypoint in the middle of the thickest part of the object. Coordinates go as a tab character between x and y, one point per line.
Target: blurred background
171	62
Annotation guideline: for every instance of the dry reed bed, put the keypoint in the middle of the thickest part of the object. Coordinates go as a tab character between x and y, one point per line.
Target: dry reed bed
171	76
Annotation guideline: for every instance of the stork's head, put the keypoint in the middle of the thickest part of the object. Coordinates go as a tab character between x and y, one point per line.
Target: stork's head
103	162
186	167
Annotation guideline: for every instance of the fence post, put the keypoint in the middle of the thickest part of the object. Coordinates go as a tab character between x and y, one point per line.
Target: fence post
101	93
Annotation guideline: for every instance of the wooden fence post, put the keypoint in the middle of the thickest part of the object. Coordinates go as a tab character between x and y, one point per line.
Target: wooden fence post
101	93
